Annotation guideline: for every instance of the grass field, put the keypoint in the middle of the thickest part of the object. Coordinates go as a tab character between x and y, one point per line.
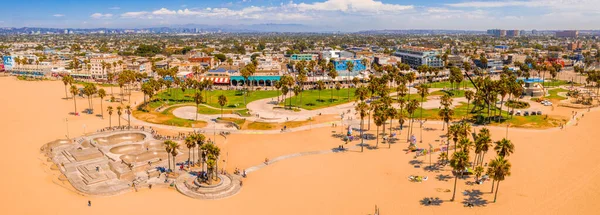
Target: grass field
446	84
166	117
554	94
454	93
235	98
311	101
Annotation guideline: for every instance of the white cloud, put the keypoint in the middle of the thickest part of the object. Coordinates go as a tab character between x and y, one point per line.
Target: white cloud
101	16
495	4
134	14
58	15
164	11
114	8
369	6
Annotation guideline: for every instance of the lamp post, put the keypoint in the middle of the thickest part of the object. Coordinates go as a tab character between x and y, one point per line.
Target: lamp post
67	123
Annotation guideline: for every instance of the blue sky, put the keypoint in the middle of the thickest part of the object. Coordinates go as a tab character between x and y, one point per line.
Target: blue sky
345	15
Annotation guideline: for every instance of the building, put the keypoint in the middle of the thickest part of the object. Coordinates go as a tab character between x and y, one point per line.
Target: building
98	71
206	61
386	60
513	33
305	57
574	45
415	57
340	65
266	64
497	32
491	64
567	33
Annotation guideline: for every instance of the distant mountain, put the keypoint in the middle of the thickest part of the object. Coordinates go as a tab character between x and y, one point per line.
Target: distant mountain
262	28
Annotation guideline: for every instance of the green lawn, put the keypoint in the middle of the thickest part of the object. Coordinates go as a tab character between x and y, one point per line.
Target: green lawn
454	93
235	98
554	83
311	101
446	84
554	94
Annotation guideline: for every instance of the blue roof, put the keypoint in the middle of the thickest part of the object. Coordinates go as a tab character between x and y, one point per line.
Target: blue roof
221	70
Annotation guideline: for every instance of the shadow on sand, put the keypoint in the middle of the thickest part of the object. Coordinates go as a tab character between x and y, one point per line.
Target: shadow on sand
431	201
473	198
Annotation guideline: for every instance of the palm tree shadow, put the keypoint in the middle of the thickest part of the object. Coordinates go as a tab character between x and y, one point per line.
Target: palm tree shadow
443	177
432	168
473	197
416	163
431	201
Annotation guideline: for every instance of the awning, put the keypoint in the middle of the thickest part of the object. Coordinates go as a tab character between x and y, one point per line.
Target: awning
216	80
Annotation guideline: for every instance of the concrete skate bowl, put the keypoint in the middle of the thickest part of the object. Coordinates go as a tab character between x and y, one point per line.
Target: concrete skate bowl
144	157
127	149
156	145
120	138
54	144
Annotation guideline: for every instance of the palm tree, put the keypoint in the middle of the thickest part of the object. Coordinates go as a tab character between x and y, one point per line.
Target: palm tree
200	140
499	169
469	95
338	87
411	107
110	112
350	67
362	108
392	113
119	112
110	77
459	162
67	79
332	74
169	147
423	92
222	102
128	111
101	94
482	144
190	143
320	86
504	147
379	119
74	91
198	100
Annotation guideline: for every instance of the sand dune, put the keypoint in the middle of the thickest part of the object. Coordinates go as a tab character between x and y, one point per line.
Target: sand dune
554	172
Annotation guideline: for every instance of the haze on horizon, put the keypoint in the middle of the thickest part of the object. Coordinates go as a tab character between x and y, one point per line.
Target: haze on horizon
334	15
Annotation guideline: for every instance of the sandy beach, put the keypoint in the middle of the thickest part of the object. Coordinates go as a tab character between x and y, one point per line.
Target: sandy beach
554	171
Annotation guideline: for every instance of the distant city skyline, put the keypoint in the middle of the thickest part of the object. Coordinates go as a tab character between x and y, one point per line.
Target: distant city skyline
334	15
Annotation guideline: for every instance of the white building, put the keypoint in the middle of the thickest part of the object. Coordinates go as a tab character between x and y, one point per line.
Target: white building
98	72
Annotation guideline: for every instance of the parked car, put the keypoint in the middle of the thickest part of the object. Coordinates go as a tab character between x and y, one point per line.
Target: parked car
511	112
526	113
533	113
539	112
518	113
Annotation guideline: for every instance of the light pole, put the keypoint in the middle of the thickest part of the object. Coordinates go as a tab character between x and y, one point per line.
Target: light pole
67	122
507	125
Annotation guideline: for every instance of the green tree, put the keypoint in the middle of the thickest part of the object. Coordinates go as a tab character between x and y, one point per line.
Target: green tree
101	94
499	169
74	91
459	162
222	102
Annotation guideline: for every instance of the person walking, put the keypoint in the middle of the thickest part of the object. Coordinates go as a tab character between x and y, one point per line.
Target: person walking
89	203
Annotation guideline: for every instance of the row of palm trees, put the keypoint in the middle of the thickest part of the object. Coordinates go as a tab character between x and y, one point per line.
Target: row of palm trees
120	110
207	152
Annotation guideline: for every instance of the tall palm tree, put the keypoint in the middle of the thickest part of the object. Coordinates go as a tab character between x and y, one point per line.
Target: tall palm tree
200	140
391	113
197	100
379	119
101	94
74	91
411	107
169	148
190	143
459	162
320	87
128	111
350	67
67	79
362	108
504	147
469	95
119	112
110	112
332	73
483	142
423	92
222	102
499	169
